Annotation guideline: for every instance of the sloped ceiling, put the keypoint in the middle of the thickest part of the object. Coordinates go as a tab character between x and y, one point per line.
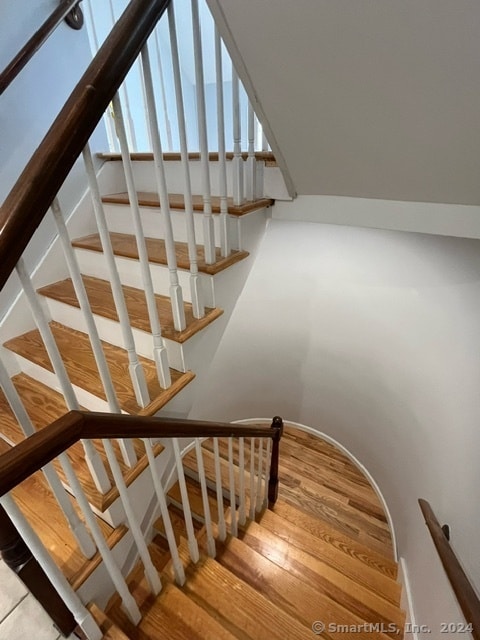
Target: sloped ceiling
367	98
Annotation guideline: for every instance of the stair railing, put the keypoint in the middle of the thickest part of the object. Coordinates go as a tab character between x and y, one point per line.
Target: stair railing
41	448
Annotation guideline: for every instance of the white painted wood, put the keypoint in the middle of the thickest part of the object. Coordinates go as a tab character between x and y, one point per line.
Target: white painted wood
178	569
56	577
222	530
60	376
133	524
242	515
192	541
80	533
137	375
209	239
231	480
222	162
175	288
198	307
237	161
206	505
253	484
168	126
251	164
160	354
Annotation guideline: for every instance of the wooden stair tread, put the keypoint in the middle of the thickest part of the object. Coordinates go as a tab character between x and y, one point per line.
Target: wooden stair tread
125	245
42	511
169	156
77	355
300	600
108	627
176	201
44	405
101	300
195	500
177	518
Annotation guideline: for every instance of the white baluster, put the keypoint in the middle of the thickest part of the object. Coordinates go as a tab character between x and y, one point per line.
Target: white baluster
222	159
82	616
176	296
237	162
135	369
126	447
268	461
208	229
233	500
159	350
150	572
192	541
167	523
80	533
259	502
252	479
242	517
222	530
168	126
251	165
206	504
92	458
197	304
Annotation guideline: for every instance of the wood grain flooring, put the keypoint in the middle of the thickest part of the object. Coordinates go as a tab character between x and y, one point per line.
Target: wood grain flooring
77	355
101	300
125	245
176	201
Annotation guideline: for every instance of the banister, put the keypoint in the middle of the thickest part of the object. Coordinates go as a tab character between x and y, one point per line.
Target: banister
36	451
33	193
464	592
42	34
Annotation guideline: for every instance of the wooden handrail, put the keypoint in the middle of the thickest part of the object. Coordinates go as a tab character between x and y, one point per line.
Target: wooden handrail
27	52
35	452
464	592
28	201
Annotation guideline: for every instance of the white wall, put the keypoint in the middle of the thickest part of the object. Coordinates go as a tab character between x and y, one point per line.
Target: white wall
372	337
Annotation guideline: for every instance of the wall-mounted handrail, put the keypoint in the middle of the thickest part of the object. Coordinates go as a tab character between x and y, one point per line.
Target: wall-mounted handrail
34	191
464	592
40	36
30	455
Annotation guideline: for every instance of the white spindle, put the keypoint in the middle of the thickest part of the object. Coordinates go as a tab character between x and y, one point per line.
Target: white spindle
252	479
264	141
114	572
150	572
237	162
192	541
176	296
127	449
80	533
137	375
268	461
81	614
259	502
168	126
159	350
198	307
92	458
222	530
206	504
167	523
233	500
222	159
242	516
208	229
251	165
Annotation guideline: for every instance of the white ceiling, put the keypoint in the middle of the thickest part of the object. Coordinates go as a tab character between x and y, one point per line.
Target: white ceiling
368	98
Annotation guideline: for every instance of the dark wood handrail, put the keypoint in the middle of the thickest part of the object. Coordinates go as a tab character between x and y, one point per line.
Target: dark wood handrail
35	452
464	592
27	52
34	191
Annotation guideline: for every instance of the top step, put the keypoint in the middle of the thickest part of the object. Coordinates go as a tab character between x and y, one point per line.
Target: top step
260	156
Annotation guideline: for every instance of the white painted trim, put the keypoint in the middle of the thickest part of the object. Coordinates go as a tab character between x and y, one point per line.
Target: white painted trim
406	602
320	434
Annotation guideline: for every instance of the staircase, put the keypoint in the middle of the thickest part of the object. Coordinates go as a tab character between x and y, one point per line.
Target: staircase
321	557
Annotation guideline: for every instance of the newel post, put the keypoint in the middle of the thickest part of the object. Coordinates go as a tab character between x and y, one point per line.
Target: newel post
277	425
19	558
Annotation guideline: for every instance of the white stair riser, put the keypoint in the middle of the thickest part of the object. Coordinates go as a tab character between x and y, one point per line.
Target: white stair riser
119	220
110	331
92	263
